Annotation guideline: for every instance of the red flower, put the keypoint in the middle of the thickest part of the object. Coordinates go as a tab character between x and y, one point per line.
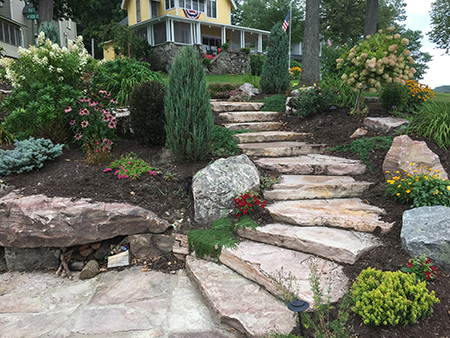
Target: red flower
410	264
428	261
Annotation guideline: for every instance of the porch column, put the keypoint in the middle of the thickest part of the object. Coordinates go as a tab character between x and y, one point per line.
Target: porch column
168	31
150	39
242	39
199	34
223	35
172	31
191	31
259	43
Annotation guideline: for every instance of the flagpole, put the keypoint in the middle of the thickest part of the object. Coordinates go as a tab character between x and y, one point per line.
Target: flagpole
290	29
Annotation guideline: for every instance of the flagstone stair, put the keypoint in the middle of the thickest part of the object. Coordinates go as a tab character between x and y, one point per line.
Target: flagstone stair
320	223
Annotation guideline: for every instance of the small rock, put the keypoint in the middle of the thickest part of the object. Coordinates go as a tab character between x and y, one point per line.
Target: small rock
359	132
95	246
120	259
384	124
86	252
249	89
76	266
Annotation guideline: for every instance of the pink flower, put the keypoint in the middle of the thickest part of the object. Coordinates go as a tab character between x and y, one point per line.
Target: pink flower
68	109
78	136
84	124
93	103
84	112
72	122
105	118
112	125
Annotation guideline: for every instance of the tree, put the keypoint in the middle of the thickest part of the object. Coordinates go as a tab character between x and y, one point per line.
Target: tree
371	20
440	24
343	21
275	71
311	48
60	9
415	44
264	14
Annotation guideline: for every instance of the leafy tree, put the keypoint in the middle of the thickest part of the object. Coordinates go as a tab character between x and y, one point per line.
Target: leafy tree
60	9
275	72
189	120
343	21
311	62
264	14
440	24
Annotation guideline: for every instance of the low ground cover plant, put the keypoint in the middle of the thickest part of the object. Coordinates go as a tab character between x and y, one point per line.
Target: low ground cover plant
313	100
223	143
222	91
131	166
275	103
422	188
28	155
391	298
345	95
422	268
248	202
365	145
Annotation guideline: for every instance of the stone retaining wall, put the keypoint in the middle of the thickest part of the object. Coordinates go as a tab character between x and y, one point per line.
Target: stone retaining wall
164	55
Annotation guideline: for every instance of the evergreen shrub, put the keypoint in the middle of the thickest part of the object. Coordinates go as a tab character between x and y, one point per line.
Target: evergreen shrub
189	120
256	63
275	72
147	113
50	31
391	297
28	155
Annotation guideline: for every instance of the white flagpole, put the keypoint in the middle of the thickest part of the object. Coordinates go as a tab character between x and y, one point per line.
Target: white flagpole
290	28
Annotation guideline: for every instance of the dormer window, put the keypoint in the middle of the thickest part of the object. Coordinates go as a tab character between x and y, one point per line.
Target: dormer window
138	10
211	9
196	5
170	4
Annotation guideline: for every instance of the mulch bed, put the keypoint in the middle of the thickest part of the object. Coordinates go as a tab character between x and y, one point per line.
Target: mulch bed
70	176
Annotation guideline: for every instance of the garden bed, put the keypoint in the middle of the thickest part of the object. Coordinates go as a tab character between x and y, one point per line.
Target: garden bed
165	194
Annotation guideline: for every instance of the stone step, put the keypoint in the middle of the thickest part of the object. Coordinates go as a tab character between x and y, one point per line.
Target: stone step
342	213
250	116
255	126
280	149
238	302
225	106
296	187
334	244
284	272
271	136
313	164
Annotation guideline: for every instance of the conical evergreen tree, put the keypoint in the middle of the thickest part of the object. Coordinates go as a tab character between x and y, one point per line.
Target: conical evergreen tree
51	31
275	72
189	120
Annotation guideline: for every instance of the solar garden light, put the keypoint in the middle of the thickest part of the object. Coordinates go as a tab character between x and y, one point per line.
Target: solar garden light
299	306
332	109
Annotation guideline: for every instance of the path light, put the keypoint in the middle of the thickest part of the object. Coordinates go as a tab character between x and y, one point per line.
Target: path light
332	109
299	306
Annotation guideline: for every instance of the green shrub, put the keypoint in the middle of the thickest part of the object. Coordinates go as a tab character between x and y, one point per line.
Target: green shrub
365	145
424	188
275	72
295	63
221	91
6	138
328	66
147	113
50	31
345	95
225	46
256	63
131	167
28	155
252	79
386	297
312	100
120	76
275	103
245	50
393	97
223	141
433	121
206	62
189	120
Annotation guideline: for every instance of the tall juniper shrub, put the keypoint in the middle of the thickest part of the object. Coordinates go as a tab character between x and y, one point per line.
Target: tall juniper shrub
189	120
147	113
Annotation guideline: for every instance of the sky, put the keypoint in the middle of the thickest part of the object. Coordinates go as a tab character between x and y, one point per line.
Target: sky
418	13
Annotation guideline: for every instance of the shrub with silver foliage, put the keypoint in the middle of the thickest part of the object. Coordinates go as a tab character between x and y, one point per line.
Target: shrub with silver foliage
27	155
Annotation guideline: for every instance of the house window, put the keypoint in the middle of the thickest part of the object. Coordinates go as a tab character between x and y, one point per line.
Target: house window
197	5
182	32
69	24
211	10
66	40
170	4
138	10
10	34
159	33
154	9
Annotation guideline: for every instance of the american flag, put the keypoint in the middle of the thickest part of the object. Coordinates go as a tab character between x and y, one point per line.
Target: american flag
286	22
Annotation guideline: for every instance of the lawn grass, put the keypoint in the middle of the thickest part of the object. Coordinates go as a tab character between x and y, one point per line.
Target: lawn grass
441	97
223	78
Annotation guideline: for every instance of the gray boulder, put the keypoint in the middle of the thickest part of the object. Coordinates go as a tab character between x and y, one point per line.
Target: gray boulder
426	230
249	89
215	186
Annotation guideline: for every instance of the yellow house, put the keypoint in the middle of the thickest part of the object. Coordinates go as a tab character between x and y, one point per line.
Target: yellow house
170	24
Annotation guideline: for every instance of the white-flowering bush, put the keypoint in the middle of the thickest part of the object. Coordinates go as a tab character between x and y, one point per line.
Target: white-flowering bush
48	63
380	59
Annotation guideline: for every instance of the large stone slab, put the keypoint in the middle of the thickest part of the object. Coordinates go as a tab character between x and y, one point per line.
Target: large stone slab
215	186
39	221
281	149
313	164
238	302
334	244
250	116
384	124
28	259
282	271
405	151
350	213
295	187
271	136
225	106
426	231
255	126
